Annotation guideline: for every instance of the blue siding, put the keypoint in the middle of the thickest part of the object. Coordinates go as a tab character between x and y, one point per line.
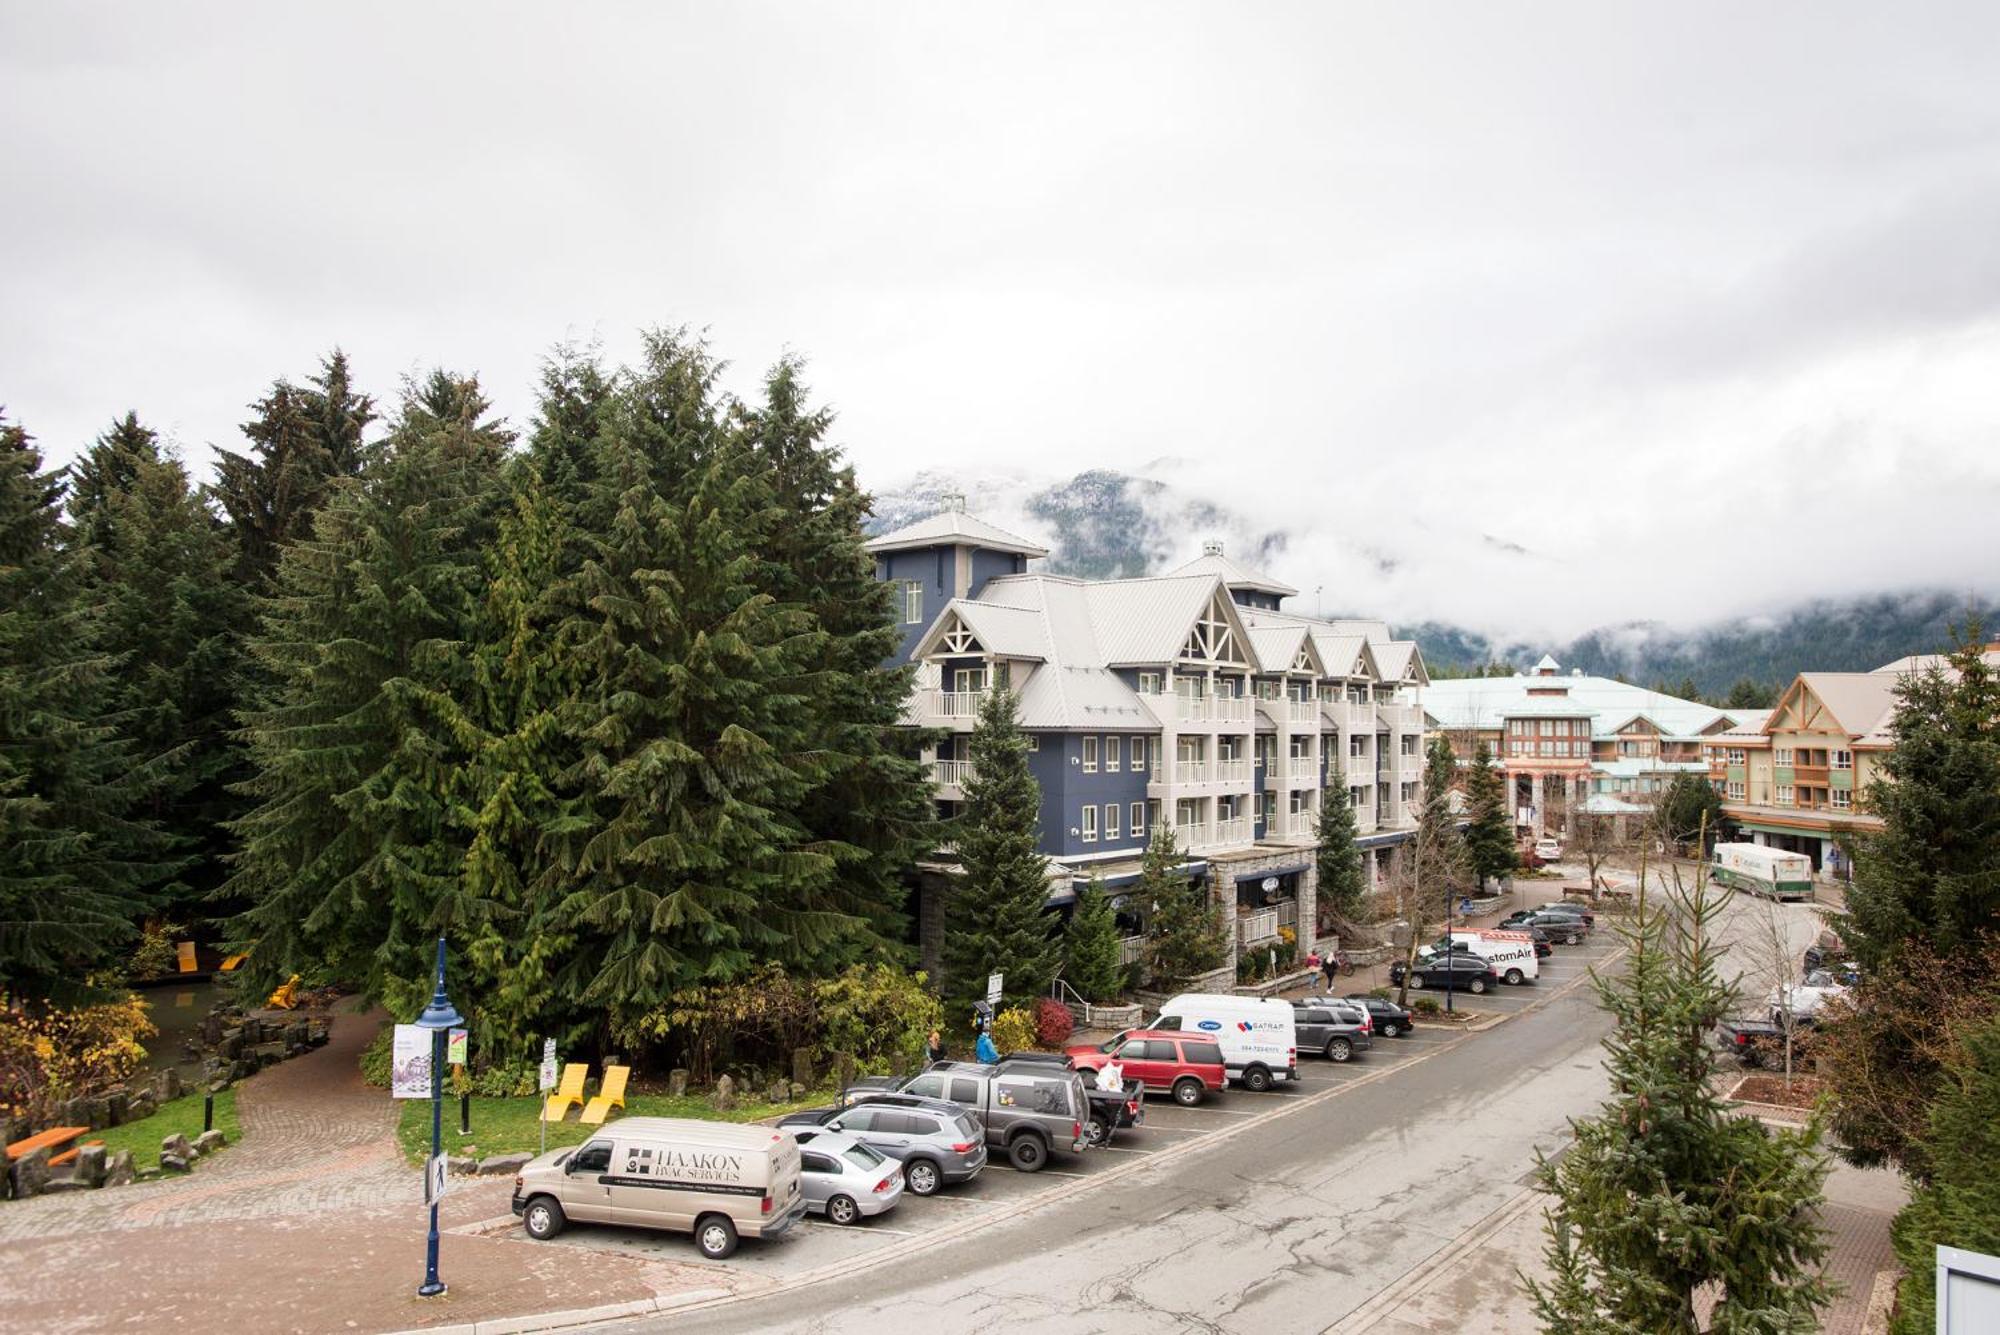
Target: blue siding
1048	766
1066	789
987	564
930	567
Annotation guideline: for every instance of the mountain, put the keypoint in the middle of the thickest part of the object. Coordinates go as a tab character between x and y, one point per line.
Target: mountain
1103	524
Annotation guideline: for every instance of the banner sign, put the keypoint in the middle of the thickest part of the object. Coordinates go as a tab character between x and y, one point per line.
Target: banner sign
410	1063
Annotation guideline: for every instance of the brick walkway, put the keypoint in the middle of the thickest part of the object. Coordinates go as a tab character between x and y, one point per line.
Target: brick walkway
313	1225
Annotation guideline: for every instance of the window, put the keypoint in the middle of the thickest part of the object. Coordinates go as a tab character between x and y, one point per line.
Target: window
1842	799
817	1163
858	1119
1110	821
592	1158
1034	742
1409	793
1784	794
1138	755
1783	758
1301	748
965	1091
1138	820
1149	683
1090	825
1112	752
1357	745
1409	743
861	1157
1843	760
1735	754
1090	755
1736	790
1298	802
1357	796
969	679
929	1086
913	602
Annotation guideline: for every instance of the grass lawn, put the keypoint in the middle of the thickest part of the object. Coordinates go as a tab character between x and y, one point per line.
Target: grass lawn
143	1137
509	1126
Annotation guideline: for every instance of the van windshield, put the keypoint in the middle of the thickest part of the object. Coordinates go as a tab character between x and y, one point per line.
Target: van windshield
861	1156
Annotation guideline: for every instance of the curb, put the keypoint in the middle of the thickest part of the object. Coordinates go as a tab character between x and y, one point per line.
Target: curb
708	1299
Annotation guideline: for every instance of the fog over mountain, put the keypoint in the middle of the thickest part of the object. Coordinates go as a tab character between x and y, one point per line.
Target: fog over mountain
1468	595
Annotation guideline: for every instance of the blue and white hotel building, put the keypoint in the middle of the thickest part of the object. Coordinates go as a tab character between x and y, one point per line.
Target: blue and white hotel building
1191	697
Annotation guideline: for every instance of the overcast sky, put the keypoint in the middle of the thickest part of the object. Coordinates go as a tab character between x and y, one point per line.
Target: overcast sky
1699	304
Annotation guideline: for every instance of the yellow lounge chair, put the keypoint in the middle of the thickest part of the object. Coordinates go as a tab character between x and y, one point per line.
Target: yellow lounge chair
568	1092
612	1093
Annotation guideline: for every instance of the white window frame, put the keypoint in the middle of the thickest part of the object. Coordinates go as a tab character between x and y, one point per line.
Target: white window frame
1110	822
913	602
1090	754
1357	795
1736	790
1357	746
1843	760
1138	765
1840	799
1034	742
1138	820
1782	758
1090	825
1113	754
1784	796
1149	683
968	681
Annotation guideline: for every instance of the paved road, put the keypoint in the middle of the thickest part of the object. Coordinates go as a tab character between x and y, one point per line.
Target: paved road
1241	1223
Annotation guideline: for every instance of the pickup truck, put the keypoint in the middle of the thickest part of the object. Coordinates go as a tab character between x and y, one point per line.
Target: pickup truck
1756	1042
1111	1110
1029	1110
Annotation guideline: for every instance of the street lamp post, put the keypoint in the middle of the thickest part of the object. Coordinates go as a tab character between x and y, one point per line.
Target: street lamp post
1450	961
440	1017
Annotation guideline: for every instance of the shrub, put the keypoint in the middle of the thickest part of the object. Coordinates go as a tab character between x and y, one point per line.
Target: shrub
377	1056
1426	1006
1053	1023
158	952
55	1053
1014	1030
875	1012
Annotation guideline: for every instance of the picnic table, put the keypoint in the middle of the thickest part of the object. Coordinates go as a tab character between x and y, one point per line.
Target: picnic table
50	1139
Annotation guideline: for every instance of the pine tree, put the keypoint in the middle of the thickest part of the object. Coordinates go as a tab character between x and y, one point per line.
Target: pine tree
1489	838
75	864
1343	881
1445	860
576	398
1933	872
1689	807
1091	946
108	467
1959	1206
869	806
1746	693
1185	934
352	857
1665	1195
995	922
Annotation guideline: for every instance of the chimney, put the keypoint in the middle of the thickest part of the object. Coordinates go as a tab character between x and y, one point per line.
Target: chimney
1212	547
954	501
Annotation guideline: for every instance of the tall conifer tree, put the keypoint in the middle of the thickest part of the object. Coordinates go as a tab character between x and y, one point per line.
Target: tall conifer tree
1343	882
1489	838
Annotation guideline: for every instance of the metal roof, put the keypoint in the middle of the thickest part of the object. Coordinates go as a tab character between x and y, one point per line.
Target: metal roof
1486	702
1232	572
952	528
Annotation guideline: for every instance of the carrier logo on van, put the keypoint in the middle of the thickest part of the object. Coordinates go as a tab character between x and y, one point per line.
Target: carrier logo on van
1210	1025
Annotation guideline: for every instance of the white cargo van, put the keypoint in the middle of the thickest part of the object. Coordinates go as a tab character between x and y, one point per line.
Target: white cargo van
1770	872
1512	954
717	1180
1259	1036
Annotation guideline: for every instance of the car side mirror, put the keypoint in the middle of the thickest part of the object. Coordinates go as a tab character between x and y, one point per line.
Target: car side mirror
833	1126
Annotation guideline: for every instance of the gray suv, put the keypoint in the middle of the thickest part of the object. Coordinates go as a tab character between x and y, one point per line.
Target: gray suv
1337	1030
936	1145
1030	1108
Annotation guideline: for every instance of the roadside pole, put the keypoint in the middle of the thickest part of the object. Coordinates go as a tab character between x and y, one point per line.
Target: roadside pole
546	1082
439	1017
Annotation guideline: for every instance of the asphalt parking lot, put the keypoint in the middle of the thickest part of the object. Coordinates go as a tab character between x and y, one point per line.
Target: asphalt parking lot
1001	1191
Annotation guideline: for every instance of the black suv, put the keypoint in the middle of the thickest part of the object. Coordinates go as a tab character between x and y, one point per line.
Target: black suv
1567	928
1391	1020
1456	971
1335	1029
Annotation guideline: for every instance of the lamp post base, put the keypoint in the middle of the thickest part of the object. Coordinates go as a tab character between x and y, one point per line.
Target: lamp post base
432	1289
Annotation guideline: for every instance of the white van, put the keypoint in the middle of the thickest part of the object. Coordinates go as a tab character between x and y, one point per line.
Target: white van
1512	954
717	1180
1259	1036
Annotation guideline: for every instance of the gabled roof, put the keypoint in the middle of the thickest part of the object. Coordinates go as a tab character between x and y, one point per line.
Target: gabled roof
1008	631
1278	647
1471	703
951	528
1858	703
1232	572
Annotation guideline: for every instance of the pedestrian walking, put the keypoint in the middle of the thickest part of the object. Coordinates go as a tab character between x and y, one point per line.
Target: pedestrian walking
934	1047
1328	965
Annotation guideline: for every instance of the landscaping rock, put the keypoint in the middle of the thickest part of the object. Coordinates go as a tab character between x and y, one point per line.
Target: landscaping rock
779	1092
56	1185
90	1165
501	1165
167	1086
143	1105
118	1170
797	1091
462	1165
677	1082
208	1142
843	1069
175	1163
31	1173
268	1054
176	1145
231	1046
295	1034
725	1094
802	1067
97	1113
117	1108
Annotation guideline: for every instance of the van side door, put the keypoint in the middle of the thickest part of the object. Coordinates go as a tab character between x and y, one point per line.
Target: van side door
586	1186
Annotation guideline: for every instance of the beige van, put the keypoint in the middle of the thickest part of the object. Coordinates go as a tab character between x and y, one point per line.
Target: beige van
717	1180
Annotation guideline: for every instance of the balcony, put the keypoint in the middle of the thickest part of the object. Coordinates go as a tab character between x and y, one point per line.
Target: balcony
1255	928
1233	772
1812	774
1190	836
951	773
1230	708
1302	711
957	704
1235	830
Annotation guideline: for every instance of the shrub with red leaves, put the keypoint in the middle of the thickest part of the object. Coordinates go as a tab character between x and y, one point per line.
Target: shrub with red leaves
1053	1023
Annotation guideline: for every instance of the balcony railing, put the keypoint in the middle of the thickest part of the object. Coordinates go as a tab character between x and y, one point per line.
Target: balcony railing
1185	771
1191	835
1235	830
1230	708
1131	949
1255	927
1232	771
1302	711
957	704
953	773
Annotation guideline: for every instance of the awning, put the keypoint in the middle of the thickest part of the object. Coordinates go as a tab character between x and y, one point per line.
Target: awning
1126	880
1258	875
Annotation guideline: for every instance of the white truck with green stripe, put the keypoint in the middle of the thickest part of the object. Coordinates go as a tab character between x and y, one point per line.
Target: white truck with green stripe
1770	872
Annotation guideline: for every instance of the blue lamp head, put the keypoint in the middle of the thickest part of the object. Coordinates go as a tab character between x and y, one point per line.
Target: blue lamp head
440	1013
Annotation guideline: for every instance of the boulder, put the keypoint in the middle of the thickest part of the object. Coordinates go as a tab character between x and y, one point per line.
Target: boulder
175	1163
502	1165
118	1169
117	1108
90	1165
208	1142
167	1085
725	1094
802	1067
779	1092
97	1113
843	1069
31	1173
60	1184
677	1082
211	1028
463	1165
143	1105
295	1034
177	1145
796	1092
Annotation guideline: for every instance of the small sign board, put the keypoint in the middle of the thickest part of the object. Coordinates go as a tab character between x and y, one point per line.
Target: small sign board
454	1047
434	1177
545	1080
993	981
410	1063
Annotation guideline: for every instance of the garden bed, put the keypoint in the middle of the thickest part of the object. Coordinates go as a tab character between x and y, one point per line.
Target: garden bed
182	1116
1270	987
1772	1090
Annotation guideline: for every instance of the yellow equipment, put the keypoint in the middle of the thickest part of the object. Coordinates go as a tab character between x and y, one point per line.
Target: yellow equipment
612	1093
568	1092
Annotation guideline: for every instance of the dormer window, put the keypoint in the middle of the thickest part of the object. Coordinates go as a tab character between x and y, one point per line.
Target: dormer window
913	602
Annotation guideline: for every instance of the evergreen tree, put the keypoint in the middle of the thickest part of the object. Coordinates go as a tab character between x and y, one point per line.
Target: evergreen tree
996	922
1933	872
1746	693
352	856
1665	1196
1091	946
1489	838
1342	880
75	863
576	398
1445	860
1959	1206
156	565
1185	934
869	805
1689	807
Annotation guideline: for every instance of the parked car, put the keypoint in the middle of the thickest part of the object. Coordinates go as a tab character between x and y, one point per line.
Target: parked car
1805	998
1570	906
1391	1020
1258	1035
936	1146
847	1181
1548	850
1564	927
1188	1066
1029	1110
1512	954
1752	1042
1458	971
803	1125
1334	1029
1111	1110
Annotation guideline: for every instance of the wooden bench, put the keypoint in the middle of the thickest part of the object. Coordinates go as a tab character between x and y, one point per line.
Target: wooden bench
53	1138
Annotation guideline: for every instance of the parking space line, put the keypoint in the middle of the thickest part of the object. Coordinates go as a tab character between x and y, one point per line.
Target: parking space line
865	1230
1120	1149
1057	1172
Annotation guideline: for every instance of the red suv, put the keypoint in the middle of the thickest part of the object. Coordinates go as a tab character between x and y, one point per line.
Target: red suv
1187	1066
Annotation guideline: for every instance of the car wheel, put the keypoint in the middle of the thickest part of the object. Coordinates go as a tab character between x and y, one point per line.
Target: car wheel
923	1177
543	1218
1187	1091
1096	1132
1476	986
1391	1029
1417	981
1338	1049
1028	1154
1513	977
715	1237
843	1211
1256	1080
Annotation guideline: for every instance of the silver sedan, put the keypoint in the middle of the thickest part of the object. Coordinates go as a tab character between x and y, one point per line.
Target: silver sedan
845	1180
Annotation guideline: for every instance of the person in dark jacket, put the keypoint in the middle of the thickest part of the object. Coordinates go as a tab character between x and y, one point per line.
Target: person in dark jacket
934	1047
